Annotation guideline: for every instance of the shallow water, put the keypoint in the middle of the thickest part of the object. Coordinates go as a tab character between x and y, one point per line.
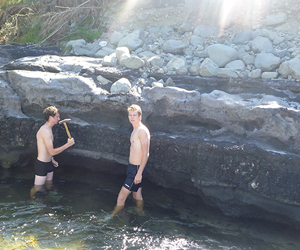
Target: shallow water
75	215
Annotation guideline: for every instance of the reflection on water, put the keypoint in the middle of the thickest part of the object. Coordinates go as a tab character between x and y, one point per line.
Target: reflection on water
76	215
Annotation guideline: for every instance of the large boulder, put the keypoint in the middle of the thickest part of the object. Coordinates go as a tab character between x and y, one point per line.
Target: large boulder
115	38
110	60
174	47
10	102
131	41
156	61
122	53
242	37
185	27
205	31
272	35
248	59
226	72
269	75
122	85
104	52
261	44
75	43
81	48
291	67
284	69
178	64
208	68
236	65
196	40
133	62
294	65
194	68
40	89
254	74
275	19
266	61
221	54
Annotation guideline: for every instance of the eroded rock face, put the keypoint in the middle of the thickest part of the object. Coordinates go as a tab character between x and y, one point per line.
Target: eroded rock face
233	143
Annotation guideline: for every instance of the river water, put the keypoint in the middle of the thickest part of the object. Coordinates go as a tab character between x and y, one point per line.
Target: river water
75	215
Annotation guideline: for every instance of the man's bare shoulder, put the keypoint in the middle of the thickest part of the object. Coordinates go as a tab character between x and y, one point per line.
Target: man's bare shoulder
44	131
144	129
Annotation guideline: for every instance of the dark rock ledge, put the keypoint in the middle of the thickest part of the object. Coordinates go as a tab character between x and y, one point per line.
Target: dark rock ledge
232	143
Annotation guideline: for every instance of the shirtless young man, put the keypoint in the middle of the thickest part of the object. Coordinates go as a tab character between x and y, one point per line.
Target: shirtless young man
138	157
45	161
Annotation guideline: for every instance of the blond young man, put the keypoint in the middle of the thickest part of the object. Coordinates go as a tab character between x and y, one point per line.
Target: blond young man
138	157
45	163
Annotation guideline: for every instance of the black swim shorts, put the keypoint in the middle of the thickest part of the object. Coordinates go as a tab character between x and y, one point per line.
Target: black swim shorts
42	168
129	182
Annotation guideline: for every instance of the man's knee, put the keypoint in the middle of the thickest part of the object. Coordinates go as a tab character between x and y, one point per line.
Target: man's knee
121	200
122	196
39	180
49	176
138	195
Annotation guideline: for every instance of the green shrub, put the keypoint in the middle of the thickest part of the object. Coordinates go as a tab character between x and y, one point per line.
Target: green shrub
30	35
86	33
4	3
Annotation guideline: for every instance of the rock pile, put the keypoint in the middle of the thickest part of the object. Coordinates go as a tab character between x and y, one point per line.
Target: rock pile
170	41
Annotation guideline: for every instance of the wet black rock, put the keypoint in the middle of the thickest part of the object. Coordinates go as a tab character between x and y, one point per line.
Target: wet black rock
9	52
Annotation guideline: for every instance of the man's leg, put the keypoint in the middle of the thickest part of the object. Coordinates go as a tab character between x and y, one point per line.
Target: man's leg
49	178
39	182
123	194
139	200
138	194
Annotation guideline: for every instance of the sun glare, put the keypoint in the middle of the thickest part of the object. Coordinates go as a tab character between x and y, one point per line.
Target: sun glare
221	13
247	11
129	5
226	12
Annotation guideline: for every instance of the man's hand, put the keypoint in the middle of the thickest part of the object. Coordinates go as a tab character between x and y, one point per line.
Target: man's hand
71	142
137	178
55	163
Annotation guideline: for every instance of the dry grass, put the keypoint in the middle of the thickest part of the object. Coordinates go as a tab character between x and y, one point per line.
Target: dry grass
10	18
54	17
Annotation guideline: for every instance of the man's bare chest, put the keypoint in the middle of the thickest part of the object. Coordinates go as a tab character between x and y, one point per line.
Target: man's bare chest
134	138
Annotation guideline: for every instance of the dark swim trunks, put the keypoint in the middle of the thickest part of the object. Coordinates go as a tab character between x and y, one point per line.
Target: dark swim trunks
129	182
42	168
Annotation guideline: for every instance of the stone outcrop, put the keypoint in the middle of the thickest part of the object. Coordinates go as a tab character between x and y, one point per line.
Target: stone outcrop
221	129
234	144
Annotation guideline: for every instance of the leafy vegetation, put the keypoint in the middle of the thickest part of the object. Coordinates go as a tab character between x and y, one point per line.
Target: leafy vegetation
32	35
4	3
44	22
85	31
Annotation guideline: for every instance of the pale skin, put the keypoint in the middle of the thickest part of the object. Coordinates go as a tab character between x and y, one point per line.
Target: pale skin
139	154
46	151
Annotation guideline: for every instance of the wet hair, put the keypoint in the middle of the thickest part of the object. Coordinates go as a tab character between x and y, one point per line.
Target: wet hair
135	107
50	111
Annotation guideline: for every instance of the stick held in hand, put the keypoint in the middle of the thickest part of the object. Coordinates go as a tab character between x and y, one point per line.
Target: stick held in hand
66	127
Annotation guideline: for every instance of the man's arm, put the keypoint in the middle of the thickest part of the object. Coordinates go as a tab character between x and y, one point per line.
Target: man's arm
144	139
54	162
49	144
